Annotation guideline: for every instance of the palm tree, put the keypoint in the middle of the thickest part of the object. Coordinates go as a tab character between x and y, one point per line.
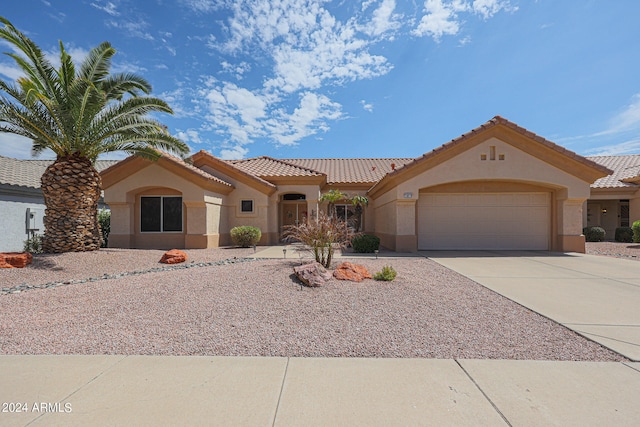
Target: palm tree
78	114
333	196
359	202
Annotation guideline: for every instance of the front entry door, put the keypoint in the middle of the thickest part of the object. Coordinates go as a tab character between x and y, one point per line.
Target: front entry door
293	213
290	214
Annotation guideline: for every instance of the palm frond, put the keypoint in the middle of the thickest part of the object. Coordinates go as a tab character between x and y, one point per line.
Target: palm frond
97	64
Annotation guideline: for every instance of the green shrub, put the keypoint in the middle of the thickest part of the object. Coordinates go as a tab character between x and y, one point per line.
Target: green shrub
593	234
624	234
636	231
387	274
365	243
33	244
245	236
104	219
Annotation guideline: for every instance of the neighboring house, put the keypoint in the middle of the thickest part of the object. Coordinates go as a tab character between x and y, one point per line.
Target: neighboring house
498	186
21	203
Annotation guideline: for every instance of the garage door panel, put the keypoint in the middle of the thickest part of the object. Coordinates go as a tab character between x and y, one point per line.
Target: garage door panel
484	221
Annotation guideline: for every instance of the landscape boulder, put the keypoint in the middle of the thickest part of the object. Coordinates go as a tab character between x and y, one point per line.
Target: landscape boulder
352	272
174	256
312	274
15	259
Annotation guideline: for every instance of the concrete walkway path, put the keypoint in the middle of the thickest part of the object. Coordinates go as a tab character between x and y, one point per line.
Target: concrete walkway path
596	296
259	391
297	251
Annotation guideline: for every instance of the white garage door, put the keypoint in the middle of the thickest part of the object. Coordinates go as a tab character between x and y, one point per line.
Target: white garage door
507	221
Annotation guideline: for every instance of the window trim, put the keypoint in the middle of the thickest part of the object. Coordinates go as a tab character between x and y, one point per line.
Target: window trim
162	197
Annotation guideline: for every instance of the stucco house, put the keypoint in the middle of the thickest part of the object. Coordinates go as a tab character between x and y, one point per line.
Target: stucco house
498	186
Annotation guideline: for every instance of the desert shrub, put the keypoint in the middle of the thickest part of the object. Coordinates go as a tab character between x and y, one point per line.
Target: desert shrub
321	236
104	219
636	231
593	234
624	234
245	236
33	244
365	243
387	274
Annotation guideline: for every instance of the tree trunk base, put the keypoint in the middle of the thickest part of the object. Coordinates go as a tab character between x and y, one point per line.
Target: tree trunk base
71	187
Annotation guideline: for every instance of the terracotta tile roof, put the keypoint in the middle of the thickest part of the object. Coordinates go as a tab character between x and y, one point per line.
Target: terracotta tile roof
269	167
193	169
623	167
351	171
178	162
27	173
217	162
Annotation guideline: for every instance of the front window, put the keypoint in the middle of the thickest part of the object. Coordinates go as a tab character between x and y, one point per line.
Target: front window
246	206
161	214
345	212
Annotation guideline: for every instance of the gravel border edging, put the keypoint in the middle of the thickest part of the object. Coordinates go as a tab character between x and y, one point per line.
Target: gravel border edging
25	287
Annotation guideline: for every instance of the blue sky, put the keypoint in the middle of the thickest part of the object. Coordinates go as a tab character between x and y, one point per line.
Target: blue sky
376	78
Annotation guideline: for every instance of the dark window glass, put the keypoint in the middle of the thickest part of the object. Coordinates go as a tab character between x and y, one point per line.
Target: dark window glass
294	197
247	206
150	215
172	214
158	214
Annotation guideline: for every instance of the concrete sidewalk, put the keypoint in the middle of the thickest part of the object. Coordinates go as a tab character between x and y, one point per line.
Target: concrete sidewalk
596	296
258	391
297	251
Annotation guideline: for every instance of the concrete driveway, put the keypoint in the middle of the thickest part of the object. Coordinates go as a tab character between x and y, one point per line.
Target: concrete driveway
596	296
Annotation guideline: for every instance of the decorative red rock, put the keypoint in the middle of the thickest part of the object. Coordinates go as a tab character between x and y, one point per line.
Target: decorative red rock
15	259
312	274
352	272
174	256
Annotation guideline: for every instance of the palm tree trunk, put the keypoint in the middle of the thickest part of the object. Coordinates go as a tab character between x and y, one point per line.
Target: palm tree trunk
71	187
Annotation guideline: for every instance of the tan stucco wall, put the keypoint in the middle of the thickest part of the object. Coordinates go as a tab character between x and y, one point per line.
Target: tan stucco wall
199	206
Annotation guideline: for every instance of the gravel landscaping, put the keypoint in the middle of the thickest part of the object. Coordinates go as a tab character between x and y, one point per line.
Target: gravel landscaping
258	308
614	249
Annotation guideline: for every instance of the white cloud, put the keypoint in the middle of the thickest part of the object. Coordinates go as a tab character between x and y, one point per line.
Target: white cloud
132	28
625	126
440	19
19	147
464	41
109	8
627	147
442	16
366	106
127	67
237	70
189	135
236	152
629	118
204	5
307	119
308	45
384	19
11	71
488	8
